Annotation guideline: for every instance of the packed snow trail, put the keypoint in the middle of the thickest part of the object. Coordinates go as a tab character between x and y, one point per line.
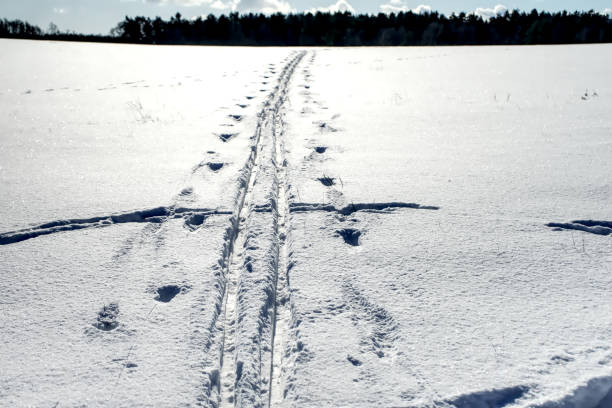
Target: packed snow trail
249	305
281	312
232	275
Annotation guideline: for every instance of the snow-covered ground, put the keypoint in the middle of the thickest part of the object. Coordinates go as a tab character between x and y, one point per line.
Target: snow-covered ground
209	226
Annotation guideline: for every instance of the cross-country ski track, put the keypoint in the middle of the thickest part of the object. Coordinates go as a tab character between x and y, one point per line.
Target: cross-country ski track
307	228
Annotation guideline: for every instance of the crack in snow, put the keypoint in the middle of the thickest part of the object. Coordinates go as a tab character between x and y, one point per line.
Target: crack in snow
156	215
355	207
194	217
590	226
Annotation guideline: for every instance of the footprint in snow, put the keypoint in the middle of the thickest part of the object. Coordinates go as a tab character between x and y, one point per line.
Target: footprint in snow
107	317
354	361
350	236
166	293
187	192
215	166
327	181
193	221
227	136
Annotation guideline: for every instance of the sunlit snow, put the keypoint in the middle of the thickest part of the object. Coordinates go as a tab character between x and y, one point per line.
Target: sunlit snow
347	227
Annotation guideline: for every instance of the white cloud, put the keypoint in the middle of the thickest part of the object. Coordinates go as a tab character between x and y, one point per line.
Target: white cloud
607	12
422	9
194	3
241	6
222	5
187	3
262	6
487	13
396	6
58	10
340	6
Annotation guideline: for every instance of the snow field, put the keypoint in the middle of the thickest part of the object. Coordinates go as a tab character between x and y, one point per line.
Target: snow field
478	303
359	227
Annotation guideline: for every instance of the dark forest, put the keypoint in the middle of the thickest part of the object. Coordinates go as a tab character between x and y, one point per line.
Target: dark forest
344	29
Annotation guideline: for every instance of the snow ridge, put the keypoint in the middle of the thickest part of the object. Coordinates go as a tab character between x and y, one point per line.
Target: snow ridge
496	398
596	393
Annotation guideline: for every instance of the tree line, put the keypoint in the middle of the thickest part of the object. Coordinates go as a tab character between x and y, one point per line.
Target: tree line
345	29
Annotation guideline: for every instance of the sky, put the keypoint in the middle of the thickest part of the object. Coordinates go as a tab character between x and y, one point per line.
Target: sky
99	16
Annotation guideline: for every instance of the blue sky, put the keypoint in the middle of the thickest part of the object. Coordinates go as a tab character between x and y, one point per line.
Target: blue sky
99	16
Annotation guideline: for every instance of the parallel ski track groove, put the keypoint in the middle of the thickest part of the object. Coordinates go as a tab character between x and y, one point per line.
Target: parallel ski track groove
281	313
236	234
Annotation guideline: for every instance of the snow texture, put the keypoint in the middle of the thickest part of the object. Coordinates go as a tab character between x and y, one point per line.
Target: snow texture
277	227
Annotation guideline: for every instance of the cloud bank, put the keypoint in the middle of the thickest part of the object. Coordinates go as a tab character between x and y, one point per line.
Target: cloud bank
241	6
340	6
396	6
487	13
263	6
